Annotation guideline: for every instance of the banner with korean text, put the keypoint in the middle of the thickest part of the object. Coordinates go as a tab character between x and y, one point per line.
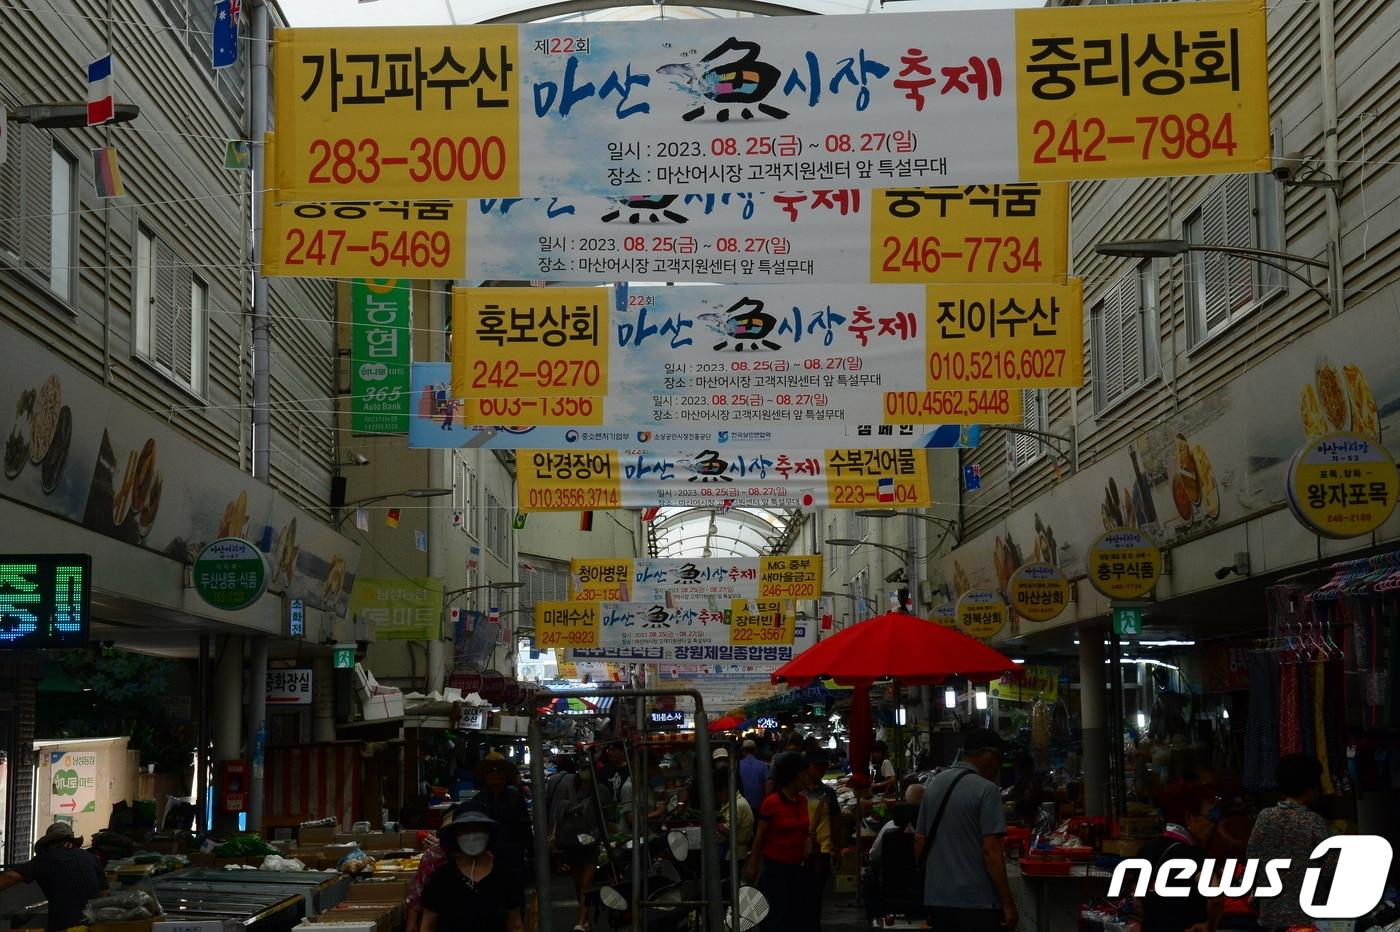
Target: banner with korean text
399	609
655	579
803	360
777	103
708	648
381	343
629	625
1011	232
581	480
440	421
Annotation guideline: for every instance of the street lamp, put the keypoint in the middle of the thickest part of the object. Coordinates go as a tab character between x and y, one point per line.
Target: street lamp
948	523
900	552
406	493
495	586
1273	258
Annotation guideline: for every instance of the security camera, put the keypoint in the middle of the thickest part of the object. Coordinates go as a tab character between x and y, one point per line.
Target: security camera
1287	168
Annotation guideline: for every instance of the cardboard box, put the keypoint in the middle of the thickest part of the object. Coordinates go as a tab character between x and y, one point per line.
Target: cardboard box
309	836
378	891
383	705
382	841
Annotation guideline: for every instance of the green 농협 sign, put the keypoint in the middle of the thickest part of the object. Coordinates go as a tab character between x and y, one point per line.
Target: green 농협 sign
230	574
381	339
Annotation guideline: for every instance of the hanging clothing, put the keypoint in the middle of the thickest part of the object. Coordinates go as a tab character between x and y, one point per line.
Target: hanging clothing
1261	731
1290	728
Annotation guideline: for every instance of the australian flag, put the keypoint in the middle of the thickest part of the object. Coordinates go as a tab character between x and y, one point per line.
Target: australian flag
226	32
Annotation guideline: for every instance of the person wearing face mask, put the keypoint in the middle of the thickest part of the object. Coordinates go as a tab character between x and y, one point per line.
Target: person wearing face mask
505	804
474	891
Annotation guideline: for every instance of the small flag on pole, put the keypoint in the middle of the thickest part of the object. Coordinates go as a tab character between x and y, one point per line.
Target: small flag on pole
226	32
101	106
391	517
107	173
361	519
527	566
519	522
972	477
236	155
585	521
884	489
649	514
420	539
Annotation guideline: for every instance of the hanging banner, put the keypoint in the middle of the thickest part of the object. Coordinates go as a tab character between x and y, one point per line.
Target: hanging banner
793	103
381	342
710	648
1342	485
655	579
440	421
765	354
640	625
577	480
979	233
1027	683
400	609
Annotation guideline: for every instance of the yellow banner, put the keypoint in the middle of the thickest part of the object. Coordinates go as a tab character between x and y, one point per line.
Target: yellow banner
994	336
868	478
1160	89
1027	683
422	109
955	406
978	233
568	624
568	480
533	342
560	411
600	580
362	238
790	577
762	621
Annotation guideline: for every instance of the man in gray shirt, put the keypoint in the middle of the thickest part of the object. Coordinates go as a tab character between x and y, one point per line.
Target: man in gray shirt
965	886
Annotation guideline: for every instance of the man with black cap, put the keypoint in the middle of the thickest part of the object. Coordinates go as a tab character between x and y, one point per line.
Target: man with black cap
68	875
959	837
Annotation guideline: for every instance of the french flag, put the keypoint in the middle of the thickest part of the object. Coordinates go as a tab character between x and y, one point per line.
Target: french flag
101	79
884	489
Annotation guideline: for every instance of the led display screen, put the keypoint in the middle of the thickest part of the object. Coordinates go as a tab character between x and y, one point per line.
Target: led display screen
44	600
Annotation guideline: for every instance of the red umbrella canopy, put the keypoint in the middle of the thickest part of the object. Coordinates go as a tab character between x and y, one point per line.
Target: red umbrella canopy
906	647
726	722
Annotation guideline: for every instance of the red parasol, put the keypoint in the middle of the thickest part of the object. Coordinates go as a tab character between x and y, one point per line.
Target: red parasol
905	647
726	722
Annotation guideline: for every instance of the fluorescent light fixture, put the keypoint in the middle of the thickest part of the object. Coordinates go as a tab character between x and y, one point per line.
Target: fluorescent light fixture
1167	643
1018	660
831	743
1142	720
1225	714
901	716
980	697
950	698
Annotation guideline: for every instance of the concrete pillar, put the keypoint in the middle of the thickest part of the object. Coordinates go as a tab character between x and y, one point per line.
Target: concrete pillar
439	528
322	700
1094	720
257	730
226	702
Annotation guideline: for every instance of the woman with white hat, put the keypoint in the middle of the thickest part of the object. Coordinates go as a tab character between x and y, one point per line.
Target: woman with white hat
473	891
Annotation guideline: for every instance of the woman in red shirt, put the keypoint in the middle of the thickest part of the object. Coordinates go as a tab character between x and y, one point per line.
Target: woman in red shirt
781	841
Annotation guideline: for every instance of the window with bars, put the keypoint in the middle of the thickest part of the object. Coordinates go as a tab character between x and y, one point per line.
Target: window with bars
549	582
466	499
860	591
169	312
1240	211
857	526
1022	449
497	527
1126	342
38	208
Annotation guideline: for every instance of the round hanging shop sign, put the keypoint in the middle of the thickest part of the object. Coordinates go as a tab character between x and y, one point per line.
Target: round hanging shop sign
945	615
1038	591
981	613
230	574
1125	563
1342	485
